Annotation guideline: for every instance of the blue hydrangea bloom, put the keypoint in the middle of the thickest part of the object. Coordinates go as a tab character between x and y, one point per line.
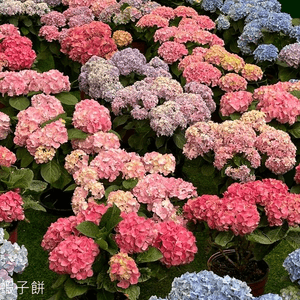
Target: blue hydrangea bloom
256	14
222	22
226	6
269	297
265	52
279	22
239	11
295	33
292	265
211	5
272	5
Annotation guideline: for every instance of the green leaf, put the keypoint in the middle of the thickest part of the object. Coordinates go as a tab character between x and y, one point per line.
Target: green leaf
277	233
64	179
66	98
20	178
120	120
268	236
112	245
296	94
88	228
223	238
25	157
31	204
60	280
102	243
19	103
27	22
132	292
152	254
50	171
295	130
179	139
110	189
207	170
37	186
235	116
293	238
145	274
56	296
70	187
76	134
60	116
129	183
111	218
159	141
175	70
73	289
105	295
45	61
24	30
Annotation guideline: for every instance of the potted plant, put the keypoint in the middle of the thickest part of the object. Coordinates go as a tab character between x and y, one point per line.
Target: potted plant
245	225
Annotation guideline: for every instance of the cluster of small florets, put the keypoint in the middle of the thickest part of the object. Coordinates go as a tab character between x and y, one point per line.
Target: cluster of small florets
29	7
16	50
7	157
290	55
122	38
41	142
25	81
4	125
240	137
11	208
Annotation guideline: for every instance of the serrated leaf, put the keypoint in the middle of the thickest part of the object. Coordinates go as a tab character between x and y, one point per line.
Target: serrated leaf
50	171
76	134
295	130
37	186
159	141
102	243
72	289
27	22
110	189
70	187
293	238
120	120
258	236
20	178
28	203
145	274
88	228
25	157
179	140
133	292
56	296
296	94
111	218
60	280
66	98
61	116
152	254
223	238
19	103
129	183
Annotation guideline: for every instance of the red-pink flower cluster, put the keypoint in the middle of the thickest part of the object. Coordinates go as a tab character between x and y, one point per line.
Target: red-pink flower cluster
83	42
4	125
152	20
164	11
134	234
16	50
25	81
74	256
7	158
91	117
123	269
232	82
172	51
11	208
235	102
297	174
176	243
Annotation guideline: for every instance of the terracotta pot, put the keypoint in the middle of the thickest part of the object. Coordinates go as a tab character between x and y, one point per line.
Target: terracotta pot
257	286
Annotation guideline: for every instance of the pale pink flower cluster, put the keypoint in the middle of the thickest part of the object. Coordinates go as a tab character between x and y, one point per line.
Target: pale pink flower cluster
16	50
176	243
152	20
186	61
123	269
125	201
54	18
297	174
232	102
133	167
49	33
184	11
11	208
74	256
238	137
155	162
97	142
91	117
242	173
232	82
7	158
25	81
4	125
76	160
134	234
79	200
172	51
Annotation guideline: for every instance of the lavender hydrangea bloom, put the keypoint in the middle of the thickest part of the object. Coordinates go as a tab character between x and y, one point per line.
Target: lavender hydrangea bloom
222	22
8	289
211	5
292	265
269	297
129	60
265	52
157	62
290	54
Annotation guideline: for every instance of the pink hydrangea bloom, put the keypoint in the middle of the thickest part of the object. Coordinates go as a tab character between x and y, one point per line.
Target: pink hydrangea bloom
8	30
74	256
125	201
164	11
164	34
92	213
184	11
177	244
11	207
155	162
187	60
232	62
79	199
202	37
59	231
123	269
89	116
54	18
133	167
7	158
135	234
242	173
232	102
4	125
85	175
232	82
152	20
252	72
76	160
172	51
49	33
204	22
297	174
202	72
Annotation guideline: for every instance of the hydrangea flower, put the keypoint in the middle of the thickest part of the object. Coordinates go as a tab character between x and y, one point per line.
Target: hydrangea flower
7	157
11	207
290	55
265	52
8	287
